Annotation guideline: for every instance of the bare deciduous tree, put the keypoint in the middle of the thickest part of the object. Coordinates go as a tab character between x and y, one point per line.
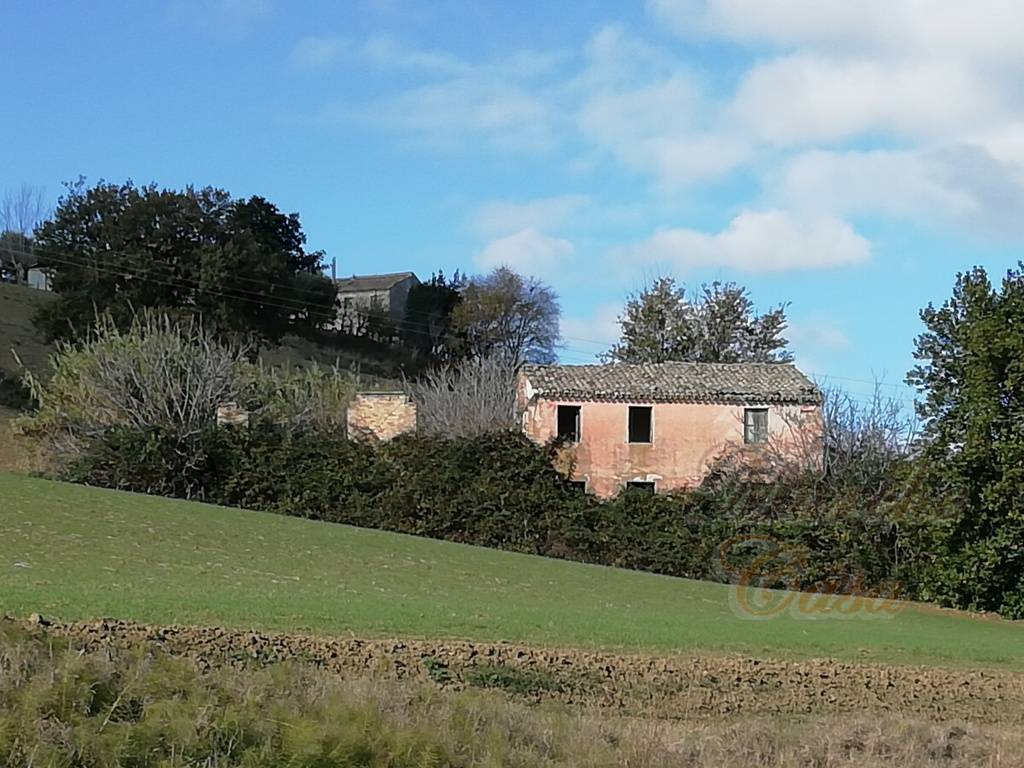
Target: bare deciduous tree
508	314
472	398
21	211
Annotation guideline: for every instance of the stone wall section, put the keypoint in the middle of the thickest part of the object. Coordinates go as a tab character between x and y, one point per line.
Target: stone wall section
380	416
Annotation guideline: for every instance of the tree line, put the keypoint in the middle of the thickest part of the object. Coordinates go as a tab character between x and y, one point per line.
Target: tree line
243	266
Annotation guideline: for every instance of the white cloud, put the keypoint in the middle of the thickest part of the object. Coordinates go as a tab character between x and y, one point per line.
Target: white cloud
980	28
456	103
961	185
646	109
810	98
457	111
382	51
500	217
388	52
931	86
758	241
528	251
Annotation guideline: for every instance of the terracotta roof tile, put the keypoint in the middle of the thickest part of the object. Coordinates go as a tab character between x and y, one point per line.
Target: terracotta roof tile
674	382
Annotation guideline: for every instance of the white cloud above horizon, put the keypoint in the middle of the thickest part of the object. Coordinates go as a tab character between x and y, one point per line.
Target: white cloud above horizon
757	241
502	217
528	251
842	111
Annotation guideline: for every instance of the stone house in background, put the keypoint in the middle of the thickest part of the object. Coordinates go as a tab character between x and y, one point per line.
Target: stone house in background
661	426
363	299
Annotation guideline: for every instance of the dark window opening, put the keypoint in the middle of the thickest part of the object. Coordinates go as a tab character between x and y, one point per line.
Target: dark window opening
647	486
578	485
569	423
755	426
640	423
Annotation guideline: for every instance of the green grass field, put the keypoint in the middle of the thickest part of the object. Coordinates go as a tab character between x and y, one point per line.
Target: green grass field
78	553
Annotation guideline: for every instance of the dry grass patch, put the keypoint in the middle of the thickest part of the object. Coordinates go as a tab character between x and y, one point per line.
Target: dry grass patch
143	708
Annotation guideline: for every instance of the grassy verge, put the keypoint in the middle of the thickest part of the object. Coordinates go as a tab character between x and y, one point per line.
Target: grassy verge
79	553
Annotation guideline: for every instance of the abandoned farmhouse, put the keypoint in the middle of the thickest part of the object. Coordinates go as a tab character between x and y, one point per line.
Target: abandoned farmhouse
661	426
361	298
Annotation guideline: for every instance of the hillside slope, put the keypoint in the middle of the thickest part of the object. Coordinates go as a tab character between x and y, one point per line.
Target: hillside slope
18	305
77	552
377	363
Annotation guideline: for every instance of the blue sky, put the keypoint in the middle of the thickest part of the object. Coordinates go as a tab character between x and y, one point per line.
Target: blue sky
848	158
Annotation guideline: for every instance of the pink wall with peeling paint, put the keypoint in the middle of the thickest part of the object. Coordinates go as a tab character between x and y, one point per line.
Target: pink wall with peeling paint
686	438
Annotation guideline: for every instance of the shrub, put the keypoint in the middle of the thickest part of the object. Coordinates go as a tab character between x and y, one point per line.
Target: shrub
152	460
315	474
496	490
168	378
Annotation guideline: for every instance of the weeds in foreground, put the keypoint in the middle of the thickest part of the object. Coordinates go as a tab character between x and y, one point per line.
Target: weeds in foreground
60	707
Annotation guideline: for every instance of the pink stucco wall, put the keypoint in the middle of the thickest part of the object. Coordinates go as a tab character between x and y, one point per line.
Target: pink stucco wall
687	437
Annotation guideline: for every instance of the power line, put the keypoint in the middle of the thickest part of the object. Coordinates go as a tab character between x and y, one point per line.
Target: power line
296	306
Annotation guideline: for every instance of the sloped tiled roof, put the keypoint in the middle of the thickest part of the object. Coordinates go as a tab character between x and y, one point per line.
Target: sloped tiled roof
358	283
674	382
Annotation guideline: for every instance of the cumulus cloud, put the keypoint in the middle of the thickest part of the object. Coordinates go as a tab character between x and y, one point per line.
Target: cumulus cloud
529	251
810	98
758	241
981	28
959	185
647	110
930	88
499	217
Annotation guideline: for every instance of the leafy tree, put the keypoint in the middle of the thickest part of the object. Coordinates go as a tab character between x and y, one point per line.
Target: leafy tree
971	378
717	324
508	315
241	264
427	326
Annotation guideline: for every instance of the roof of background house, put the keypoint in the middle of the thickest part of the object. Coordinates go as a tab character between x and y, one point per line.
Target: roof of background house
358	283
674	382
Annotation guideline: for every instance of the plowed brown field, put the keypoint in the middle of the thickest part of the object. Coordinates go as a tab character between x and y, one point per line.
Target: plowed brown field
642	685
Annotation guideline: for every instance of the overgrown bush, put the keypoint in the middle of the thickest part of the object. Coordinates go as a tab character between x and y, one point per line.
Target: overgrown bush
167	378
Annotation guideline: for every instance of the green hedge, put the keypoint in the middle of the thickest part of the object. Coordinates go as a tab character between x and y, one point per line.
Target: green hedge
502	491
